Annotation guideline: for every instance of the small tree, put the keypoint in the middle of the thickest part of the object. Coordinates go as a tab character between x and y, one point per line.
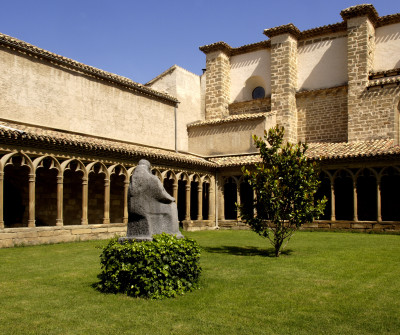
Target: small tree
284	183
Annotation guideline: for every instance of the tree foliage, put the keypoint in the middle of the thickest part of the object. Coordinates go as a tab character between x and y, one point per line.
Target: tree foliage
284	183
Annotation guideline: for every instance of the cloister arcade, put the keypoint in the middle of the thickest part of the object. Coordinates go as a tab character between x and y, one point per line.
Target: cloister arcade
357	194
43	190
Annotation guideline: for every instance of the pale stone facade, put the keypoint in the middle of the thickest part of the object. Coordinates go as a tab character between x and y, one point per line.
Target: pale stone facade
71	135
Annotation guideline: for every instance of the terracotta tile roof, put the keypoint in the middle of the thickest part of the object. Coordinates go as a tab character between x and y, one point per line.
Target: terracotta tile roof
284	29
235	51
360	10
33	51
388	19
28	135
231	118
325	152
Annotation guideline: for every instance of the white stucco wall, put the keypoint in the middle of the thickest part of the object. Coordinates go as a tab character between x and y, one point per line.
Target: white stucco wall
186	87
387	47
322	64
37	93
254	66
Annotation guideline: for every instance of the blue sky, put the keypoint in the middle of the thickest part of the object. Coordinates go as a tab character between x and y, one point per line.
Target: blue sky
141	39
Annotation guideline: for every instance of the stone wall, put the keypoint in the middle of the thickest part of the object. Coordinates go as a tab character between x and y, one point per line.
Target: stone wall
44	235
37	92
284	80
217	93
251	106
322	115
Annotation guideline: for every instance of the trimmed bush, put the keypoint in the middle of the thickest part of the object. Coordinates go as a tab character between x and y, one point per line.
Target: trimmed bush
162	268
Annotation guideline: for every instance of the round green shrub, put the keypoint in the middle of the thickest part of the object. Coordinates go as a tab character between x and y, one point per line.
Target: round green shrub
164	267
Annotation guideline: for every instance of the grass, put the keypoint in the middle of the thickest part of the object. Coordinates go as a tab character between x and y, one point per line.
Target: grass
326	283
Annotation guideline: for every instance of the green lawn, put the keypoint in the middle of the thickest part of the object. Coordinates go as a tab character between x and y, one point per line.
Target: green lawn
327	283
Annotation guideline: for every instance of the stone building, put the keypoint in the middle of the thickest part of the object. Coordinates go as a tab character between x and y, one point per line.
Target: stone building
71	135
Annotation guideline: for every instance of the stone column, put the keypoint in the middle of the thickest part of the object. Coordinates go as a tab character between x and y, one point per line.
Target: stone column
221	200
60	200
106	219
187	188
360	51
31	218
126	188
1	199
333	208
238	201
175	191
254	198
355	207
218	82
200	201
378	200
211	205
85	190
284	77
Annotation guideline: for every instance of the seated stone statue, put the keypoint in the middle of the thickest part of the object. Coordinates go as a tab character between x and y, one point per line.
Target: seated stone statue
151	209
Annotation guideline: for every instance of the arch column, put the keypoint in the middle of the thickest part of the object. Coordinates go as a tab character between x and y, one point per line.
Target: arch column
355	204
175	191
85	190
60	200
199	200
106	219
378	200
126	188
238	202
187	188
211	205
333	213
1	199
221	201
31	217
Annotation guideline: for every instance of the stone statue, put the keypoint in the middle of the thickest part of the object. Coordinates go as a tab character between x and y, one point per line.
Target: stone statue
151	209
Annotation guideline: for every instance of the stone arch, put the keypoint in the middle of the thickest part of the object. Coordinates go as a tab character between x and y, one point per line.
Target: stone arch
48	191
206	196
98	192
343	180
195	196
389	181
119	184
246	195
366	183
230	186
325	190
74	178
169	181
157	173
183	198
17	190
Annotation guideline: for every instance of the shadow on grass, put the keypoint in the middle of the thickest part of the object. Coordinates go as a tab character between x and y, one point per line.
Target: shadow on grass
245	251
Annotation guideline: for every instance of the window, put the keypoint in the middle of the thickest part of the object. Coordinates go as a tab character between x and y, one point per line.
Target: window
258	93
